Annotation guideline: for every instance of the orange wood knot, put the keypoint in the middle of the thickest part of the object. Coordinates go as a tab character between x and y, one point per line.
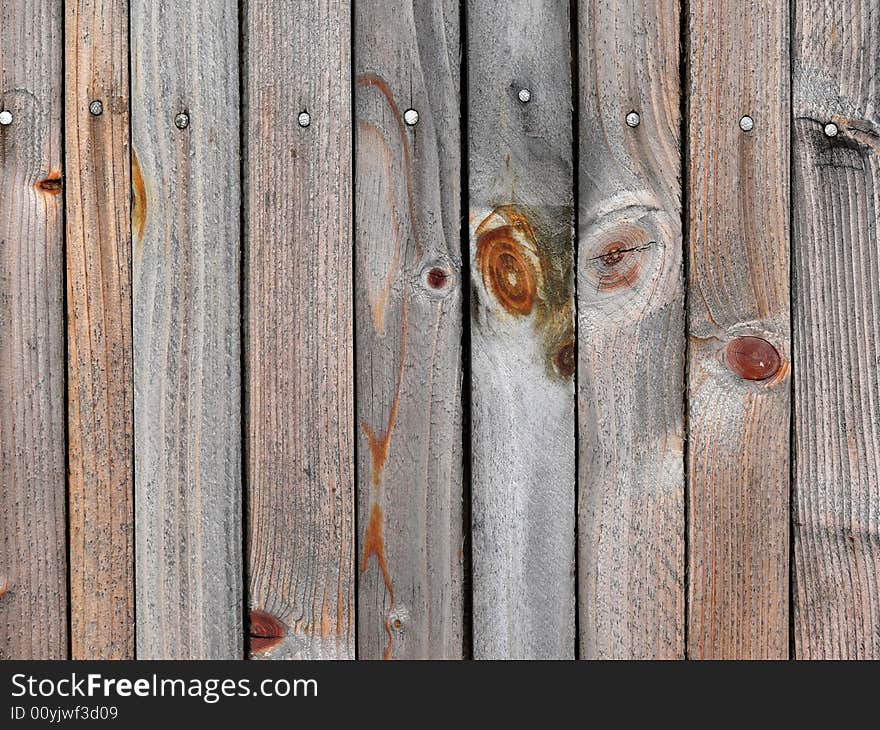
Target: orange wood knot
266	631
612	257
437	278
565	359
621	264
51	185
753	358
4	585
506	260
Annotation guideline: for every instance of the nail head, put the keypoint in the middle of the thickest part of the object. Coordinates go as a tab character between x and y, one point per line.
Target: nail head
633	119
411	117
524	95
831	129
746	124
304	119
5	118
181	121
96	108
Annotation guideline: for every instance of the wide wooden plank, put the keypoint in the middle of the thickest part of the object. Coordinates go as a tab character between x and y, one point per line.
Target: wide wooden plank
408	329
836	208
33	555
185	221
631	333
99	380
299	352
739	373
523	353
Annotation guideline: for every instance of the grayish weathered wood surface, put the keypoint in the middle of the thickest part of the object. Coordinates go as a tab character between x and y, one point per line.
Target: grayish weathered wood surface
836	207
99	347
300	383
738	428
33	556
408	326
185	221
523	352
631	333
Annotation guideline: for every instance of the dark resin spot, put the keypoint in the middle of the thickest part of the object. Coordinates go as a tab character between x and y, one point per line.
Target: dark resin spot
437	278
564	359
752	358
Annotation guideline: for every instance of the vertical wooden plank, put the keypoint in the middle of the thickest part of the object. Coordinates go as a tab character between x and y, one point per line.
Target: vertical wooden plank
299	328
33	556
836	207
99	385
631	332
523	353
185	222
408	324
738	379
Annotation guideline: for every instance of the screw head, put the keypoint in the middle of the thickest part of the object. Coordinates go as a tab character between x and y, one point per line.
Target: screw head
181	121
831	129
746	124
524	95
96	108
411	117
633	119
304	119
5	118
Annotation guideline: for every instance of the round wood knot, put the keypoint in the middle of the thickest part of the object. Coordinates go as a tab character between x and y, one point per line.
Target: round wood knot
507	262
565	359
437	278
266	631
753	358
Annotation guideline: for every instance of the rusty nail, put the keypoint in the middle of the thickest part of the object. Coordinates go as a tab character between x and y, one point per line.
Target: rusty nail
411	117
5	118
831	129
633	119
181	121
96	108
304	119
524	96
746	124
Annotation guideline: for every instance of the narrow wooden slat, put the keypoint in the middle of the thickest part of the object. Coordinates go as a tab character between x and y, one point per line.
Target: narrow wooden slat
631	333
738	375
33	556
408	310
523	353
99	385
836	204
299	349
185	222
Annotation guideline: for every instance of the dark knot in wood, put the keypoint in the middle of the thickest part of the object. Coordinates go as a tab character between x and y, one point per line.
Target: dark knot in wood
437	278
266	631
753	358
565	359
507	268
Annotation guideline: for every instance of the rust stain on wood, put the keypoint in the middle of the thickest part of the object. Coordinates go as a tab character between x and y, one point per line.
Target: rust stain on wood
266	631
138	202
565	359
753	358
52	184
374	545
4	585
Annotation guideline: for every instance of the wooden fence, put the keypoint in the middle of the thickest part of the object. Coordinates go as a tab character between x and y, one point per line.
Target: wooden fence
433	329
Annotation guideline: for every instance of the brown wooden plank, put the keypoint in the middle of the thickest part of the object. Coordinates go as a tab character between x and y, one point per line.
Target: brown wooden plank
33	559
99	379
523	353
631	333
836	600
186	283
738	379
408	324
299	349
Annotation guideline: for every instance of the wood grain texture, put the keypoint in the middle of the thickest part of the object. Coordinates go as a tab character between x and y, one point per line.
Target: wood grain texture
300	383
631	333
187	357
99	347
738	447
33	555
523	353
408	329
836	207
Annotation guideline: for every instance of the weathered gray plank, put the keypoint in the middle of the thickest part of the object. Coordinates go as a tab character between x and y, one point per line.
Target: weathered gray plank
738	376
523	354
631	333
408	324
33	569
186	329
836	207
99	382
299	328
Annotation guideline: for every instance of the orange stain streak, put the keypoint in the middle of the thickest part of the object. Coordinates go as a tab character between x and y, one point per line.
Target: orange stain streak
139	201
374	544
